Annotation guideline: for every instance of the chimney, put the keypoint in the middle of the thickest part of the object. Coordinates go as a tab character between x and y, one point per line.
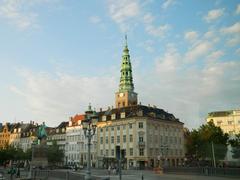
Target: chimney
149	105
140	103
21	122
108	107
100	109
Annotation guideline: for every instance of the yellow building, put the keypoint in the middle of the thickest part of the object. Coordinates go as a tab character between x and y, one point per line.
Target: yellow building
5	135
228	121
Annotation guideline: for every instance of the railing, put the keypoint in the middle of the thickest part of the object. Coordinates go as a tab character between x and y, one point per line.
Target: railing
208	171
141	143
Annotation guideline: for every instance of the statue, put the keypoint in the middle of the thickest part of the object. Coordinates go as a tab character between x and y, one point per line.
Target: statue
39	148
42	134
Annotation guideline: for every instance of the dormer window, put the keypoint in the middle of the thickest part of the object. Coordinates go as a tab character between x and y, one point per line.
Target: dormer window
113	116
122	114
104	118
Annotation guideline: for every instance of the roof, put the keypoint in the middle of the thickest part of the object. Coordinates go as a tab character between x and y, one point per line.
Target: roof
139	111
219	113
76	118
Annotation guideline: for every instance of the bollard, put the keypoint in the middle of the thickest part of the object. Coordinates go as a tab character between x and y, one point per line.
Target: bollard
142	177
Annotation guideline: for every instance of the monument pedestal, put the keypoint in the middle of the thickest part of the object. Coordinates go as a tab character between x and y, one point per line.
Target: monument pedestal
39	156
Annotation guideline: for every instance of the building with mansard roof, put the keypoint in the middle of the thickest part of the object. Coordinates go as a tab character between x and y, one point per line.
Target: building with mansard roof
76	143
148	136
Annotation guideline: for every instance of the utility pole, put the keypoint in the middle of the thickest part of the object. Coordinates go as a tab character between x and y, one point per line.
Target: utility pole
213	154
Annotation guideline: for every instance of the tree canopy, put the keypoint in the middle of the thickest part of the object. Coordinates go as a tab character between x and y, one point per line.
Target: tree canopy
201	142
235	143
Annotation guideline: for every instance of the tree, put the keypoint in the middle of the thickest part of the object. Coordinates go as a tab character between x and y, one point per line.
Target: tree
200	142
54	154
235	143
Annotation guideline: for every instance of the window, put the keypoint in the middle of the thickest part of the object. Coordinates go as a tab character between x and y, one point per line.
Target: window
124	138
101	140
130	126
140	139
118	139
219	123
140	125
112	139
118	128
106	139
112	152
101	152
104	118
106	129
230	122
101	130
141	152
113	116
112	128
106	152
131	138
124	127
122	115
131	151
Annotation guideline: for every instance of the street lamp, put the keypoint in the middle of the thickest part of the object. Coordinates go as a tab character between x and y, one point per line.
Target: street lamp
89	125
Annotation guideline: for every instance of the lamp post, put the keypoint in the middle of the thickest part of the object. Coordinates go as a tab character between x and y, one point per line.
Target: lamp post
89	125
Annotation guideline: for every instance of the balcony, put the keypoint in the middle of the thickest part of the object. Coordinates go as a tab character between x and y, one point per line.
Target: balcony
141	143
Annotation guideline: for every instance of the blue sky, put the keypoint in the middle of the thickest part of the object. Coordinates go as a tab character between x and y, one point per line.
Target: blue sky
56	56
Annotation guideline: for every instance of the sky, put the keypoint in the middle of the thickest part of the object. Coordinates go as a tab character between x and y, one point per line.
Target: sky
57	56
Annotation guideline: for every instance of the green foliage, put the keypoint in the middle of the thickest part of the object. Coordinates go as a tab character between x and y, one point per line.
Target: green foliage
235	143
54	154
199	142
12	153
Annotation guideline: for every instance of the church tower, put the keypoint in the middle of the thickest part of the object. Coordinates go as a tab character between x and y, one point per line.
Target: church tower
126	95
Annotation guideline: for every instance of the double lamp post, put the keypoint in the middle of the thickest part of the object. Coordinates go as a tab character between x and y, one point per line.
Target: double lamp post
89	125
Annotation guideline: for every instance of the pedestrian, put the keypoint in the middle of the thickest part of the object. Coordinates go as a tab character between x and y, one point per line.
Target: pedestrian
18	173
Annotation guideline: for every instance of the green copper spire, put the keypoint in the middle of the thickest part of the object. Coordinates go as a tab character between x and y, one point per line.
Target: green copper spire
126	80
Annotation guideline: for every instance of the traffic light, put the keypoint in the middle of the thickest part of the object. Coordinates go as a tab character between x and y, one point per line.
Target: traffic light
118	152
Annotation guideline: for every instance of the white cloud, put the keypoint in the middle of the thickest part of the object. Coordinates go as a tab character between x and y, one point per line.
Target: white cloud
168	3
148	45
238	9
190	92
169	62
95	19
123	11
214	14
191	36
235	40
215	55
235	28
19	13
238	51
198	50
54	99
159	31
148	18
